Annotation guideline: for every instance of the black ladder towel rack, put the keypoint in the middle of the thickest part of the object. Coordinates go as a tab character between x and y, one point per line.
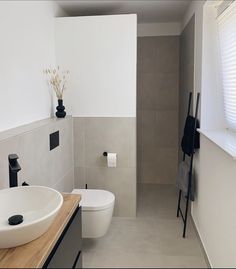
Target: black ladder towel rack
184	215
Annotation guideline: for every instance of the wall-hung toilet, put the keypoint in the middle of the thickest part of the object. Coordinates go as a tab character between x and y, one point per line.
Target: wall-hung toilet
97	211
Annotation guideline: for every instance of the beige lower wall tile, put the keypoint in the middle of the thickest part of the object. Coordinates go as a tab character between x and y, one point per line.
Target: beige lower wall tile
7	147
40	166
66	184
120	181
112	135
80	177
93	136
57	168
79	141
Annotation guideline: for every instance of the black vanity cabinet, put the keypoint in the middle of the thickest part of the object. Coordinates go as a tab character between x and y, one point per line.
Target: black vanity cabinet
67	253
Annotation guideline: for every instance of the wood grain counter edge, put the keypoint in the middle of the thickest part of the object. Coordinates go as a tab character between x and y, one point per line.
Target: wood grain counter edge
35	253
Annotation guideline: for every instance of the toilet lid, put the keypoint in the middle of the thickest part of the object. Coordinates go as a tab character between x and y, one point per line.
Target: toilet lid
94	200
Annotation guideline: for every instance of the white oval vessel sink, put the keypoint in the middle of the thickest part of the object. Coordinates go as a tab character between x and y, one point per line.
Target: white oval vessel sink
38	206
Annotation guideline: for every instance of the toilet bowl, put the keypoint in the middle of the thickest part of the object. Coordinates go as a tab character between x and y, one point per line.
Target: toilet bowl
97	210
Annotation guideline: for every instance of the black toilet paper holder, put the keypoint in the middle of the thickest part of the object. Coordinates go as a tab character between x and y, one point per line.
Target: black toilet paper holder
105	154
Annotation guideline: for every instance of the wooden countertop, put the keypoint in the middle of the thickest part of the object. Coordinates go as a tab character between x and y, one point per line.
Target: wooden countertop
35	253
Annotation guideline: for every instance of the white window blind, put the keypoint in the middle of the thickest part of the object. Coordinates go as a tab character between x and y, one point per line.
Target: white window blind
227	35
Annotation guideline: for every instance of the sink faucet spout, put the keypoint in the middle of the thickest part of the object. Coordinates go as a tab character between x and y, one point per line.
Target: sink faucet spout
14	168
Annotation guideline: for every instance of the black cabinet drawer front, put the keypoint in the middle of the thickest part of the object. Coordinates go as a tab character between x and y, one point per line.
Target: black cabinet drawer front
65	253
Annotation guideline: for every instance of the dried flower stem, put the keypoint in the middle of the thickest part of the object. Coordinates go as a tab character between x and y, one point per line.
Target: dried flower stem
57	80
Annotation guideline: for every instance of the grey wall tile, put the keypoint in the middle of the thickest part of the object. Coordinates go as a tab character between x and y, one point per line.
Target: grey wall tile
158	128
159	165
158	91
168	92
147	128
186	82
168	54
161	54
167	128
149	60
148	86
158	105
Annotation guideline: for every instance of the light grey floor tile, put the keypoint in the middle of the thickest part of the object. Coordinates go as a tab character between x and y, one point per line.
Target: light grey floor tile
110	259
152	240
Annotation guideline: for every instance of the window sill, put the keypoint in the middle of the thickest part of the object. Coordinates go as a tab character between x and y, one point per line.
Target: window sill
225	139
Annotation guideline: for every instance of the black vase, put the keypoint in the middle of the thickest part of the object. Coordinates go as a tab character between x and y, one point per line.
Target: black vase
60	109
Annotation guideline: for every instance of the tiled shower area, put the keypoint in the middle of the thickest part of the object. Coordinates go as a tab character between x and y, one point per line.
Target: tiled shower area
158	91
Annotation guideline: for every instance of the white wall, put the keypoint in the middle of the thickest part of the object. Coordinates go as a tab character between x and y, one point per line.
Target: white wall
26	48
159	29
100	52
214	208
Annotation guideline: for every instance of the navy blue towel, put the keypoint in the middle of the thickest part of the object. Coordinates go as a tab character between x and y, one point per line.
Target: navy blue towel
187	140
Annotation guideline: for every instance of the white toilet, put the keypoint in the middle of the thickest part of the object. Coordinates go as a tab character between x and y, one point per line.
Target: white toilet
97	211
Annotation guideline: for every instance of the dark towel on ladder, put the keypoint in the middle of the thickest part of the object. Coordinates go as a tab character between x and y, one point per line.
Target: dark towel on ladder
187	139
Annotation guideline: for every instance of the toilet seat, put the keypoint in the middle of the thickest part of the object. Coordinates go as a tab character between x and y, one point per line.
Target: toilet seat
95	200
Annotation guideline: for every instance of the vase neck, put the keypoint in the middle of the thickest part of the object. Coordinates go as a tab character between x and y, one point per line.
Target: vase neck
60	102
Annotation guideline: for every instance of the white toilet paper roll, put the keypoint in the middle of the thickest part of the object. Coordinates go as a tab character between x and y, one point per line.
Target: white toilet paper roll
111	159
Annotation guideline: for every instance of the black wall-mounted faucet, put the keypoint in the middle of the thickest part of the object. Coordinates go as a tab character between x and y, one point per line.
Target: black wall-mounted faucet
14	168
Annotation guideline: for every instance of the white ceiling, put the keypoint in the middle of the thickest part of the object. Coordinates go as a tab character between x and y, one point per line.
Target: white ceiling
147	10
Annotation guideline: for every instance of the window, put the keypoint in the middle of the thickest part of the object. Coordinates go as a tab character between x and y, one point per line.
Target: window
227	37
